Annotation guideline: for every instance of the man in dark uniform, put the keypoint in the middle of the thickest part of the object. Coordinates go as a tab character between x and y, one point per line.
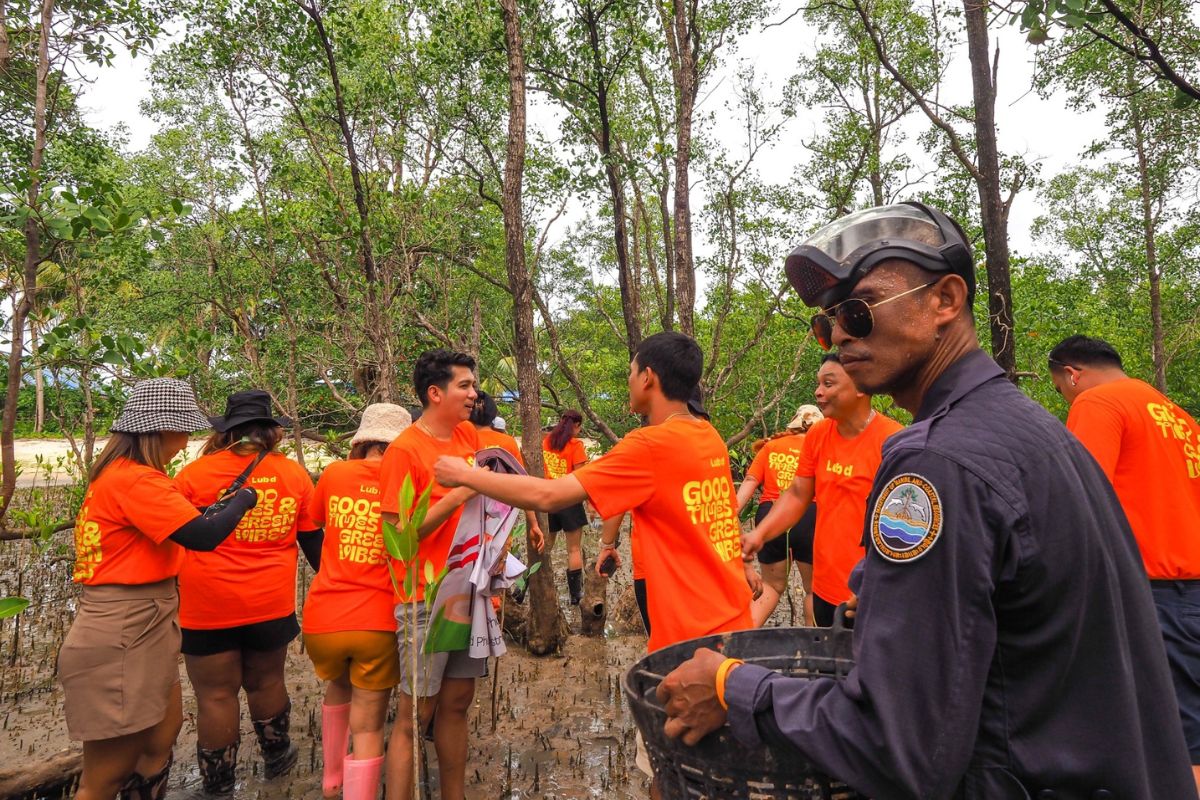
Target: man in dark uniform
1006	644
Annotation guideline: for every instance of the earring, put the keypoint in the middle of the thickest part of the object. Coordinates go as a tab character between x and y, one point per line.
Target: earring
1074	382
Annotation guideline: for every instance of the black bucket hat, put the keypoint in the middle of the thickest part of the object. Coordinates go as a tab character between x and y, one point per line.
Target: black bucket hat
252	405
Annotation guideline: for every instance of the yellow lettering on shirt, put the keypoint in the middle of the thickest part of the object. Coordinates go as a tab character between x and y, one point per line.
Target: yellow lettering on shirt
556	465
88	553
709	504
784	465
360	539
269	521
845	470
1168	423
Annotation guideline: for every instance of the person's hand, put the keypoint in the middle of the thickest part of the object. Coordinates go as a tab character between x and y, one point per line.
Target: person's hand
451	471
689	696
537	538
852	606
602	556
754	580
752	542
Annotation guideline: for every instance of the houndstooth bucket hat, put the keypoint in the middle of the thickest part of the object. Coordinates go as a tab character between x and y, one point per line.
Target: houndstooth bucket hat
160	404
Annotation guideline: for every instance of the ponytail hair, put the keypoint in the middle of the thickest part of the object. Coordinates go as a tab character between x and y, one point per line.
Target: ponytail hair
565	429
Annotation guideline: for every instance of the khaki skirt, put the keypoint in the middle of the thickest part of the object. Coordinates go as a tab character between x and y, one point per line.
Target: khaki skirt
120	659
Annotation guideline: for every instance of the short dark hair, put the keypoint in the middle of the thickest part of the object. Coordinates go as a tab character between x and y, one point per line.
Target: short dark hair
677	361
485	411
834	357
1086	351
435	368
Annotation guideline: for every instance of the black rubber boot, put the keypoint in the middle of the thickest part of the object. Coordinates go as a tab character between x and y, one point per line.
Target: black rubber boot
278	752
154	787
575	585
216	768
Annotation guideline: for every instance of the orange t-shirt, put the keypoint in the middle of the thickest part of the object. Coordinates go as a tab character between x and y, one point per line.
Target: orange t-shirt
1150	449
493	438
413	453
675	479
121	531
352	590
775	465
560	463
843	471
251	576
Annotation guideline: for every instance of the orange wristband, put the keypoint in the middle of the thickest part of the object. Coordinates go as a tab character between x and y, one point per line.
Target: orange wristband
722	674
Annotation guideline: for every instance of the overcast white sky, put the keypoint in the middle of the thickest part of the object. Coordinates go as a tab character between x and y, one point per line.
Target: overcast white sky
1039	129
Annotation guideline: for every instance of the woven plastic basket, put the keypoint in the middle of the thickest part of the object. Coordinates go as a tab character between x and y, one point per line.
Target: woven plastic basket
719	767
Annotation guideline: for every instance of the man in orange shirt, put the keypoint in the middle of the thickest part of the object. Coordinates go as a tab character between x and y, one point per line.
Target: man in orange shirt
445	384
673	474
1150	449
836	469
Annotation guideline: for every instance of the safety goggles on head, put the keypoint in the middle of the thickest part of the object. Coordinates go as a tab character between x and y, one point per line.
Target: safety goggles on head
853	316
825	268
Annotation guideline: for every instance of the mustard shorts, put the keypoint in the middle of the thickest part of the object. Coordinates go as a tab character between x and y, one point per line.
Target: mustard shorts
370	656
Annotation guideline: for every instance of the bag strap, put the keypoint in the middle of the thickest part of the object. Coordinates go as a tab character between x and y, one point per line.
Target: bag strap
240	480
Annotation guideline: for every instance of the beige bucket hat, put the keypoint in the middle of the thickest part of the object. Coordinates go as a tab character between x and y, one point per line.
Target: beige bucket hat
806	417
381	422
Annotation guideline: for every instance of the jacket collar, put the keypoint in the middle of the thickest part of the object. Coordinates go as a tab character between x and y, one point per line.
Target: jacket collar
968	373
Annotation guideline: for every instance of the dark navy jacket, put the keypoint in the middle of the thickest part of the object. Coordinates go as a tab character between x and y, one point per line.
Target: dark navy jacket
1006	643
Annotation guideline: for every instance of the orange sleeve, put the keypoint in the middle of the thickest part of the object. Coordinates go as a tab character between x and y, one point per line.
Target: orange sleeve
1099	426
397	464
316	511
806	466
758	467
621	479
155	506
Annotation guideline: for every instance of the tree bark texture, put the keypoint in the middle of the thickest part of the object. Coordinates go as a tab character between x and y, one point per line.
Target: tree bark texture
1157	346
29	272
683	42
544	632
992	206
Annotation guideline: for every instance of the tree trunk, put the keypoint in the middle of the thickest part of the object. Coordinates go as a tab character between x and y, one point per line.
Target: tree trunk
33	259
39	385
682	40
544	633
1157	348
993	210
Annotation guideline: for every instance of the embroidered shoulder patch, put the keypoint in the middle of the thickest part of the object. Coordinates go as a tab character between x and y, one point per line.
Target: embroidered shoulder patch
907	520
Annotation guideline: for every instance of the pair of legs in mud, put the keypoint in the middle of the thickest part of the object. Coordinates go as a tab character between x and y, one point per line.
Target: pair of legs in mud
356	717
450	733
135	766
218	679
794	546
570	521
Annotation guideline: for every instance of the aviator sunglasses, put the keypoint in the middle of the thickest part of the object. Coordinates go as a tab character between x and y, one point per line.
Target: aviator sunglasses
854	316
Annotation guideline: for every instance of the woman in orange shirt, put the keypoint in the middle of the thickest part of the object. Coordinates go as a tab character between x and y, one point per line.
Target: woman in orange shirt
349	615
119	662
562	454
238	603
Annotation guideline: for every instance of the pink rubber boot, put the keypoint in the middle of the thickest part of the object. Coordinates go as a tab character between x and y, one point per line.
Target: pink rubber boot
362	778
335	738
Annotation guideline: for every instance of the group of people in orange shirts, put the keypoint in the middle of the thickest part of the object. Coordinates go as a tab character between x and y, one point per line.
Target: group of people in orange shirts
205	564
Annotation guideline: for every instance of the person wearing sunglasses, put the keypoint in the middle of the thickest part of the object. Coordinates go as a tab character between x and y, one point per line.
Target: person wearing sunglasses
1006	643
1147	446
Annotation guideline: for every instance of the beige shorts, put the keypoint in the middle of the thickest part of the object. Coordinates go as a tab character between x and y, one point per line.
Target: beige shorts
431	668
120	660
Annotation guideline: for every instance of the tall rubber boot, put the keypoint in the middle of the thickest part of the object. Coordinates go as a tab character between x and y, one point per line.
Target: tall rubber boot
335	738
139	787
216	768
278	752
575	585
362	778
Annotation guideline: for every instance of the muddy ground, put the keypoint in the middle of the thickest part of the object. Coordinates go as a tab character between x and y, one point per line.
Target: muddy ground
562	728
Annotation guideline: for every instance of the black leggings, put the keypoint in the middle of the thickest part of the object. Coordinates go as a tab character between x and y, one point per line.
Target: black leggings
823	612
639	594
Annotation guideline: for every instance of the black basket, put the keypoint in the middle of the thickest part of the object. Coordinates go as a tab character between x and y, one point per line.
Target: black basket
719	766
